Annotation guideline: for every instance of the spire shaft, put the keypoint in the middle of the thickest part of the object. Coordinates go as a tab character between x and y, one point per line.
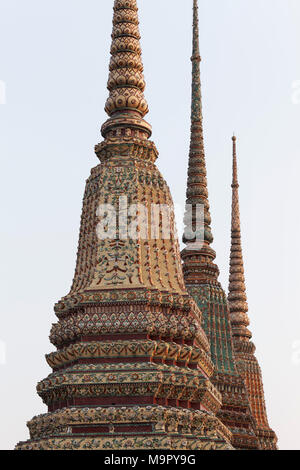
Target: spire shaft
197	192
237	288
244	348
235	222
126	104
198	256
196	49
196	59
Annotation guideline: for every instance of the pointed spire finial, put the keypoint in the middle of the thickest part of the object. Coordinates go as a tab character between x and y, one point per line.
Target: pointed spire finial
237	289
196	49
196	59
126	104
197	192
235	182
244	348
198	257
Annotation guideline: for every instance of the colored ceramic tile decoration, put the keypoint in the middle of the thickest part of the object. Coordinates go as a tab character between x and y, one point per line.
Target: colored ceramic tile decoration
244	349
132	365
201	278
148	352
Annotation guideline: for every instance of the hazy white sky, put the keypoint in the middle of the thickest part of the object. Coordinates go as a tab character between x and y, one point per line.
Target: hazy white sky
54	62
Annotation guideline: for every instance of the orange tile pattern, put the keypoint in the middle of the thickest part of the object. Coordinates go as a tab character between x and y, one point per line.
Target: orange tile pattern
243	347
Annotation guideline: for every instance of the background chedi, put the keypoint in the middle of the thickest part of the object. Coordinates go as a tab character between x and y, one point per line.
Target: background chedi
201	278
246	361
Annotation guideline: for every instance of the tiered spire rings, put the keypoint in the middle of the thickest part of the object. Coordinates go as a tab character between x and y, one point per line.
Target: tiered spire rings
243	346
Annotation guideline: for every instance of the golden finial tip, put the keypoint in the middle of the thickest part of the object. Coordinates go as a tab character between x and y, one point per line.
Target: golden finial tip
234	137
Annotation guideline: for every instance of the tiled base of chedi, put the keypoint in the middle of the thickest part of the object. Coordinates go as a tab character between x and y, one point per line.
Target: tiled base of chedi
132	366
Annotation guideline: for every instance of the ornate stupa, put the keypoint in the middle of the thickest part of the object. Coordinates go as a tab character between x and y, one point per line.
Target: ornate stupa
244	349
132	366
201	277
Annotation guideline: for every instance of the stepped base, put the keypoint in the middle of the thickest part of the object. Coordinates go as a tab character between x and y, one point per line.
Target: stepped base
235	412
130	428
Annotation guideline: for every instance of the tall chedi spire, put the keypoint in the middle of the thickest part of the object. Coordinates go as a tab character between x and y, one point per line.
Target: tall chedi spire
201	276
197	193
132	364
244	349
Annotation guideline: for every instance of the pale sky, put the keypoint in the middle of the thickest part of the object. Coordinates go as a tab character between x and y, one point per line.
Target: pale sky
54	59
